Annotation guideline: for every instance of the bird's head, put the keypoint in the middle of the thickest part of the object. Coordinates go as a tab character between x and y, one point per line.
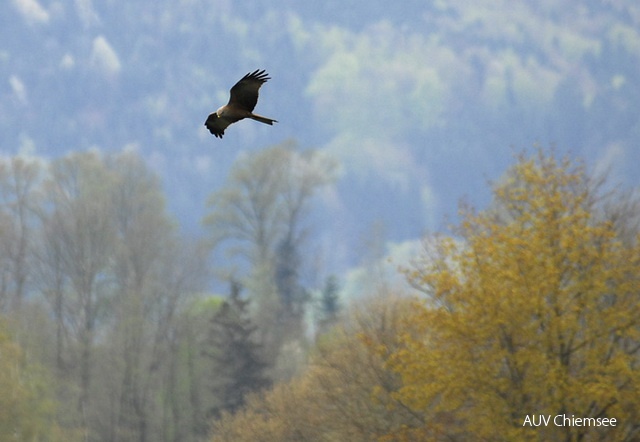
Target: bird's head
220	112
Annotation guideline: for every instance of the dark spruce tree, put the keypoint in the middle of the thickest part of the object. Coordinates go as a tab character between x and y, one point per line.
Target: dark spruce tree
328	304
292	295
238	367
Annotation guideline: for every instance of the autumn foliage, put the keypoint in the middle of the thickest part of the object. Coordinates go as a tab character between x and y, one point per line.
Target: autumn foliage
346	392
530	308
534	310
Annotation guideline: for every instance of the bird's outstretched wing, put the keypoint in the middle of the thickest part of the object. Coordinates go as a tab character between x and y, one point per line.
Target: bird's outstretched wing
217	125
244	94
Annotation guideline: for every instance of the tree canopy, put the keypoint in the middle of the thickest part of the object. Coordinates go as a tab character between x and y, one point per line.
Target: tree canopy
529	309
534	309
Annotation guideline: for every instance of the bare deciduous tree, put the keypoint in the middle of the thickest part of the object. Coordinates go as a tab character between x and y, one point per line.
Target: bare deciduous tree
260	217
19	179
81	241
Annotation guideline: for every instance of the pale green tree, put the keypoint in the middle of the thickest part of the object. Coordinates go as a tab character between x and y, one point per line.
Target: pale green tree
27	405
19	202
80	241
258	222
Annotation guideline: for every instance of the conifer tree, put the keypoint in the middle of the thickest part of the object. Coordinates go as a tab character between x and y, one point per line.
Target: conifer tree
238	365
329	304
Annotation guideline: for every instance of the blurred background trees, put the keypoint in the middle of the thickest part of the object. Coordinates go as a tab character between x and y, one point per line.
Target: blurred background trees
237	356
258	223
95	276
107	295
27	405
346	392
529	307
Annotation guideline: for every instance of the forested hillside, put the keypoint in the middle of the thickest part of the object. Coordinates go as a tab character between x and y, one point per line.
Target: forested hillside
420	102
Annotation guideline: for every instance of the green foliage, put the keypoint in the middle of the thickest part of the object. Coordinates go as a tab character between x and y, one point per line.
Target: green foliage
89	249
27	407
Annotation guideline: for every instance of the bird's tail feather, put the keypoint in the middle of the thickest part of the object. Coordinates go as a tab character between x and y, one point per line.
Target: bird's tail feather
262	119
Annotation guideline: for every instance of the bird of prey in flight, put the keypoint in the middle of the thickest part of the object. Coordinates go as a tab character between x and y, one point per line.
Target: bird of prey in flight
244	96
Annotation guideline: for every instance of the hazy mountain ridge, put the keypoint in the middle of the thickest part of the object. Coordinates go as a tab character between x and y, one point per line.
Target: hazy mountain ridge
419	103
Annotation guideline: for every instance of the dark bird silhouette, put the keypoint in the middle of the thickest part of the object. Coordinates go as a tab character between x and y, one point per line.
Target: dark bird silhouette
244	97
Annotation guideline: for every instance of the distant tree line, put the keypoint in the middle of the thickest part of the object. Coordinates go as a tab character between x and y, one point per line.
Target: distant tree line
107	333
110	334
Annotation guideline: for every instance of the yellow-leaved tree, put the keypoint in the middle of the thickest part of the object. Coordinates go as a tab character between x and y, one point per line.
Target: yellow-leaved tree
534	311
345	393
